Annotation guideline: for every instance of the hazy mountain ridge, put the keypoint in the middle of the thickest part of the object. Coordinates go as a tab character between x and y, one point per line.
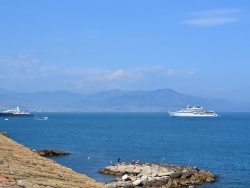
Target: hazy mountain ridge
160	100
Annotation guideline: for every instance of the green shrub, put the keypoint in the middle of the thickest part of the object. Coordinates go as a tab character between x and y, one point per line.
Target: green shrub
5	134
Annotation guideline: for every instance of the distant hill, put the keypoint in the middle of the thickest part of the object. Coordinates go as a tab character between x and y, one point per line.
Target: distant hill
161	100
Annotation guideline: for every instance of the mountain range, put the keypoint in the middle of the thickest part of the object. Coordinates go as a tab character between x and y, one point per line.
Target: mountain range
161	100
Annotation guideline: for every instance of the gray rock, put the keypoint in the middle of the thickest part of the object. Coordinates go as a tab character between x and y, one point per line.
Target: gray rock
144	178
137	182
125	177
176	175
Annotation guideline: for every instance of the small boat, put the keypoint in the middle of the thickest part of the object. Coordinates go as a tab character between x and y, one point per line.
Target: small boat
193	112
41	118
15	112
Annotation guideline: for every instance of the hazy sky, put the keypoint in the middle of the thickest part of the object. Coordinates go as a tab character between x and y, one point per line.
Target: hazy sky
198	47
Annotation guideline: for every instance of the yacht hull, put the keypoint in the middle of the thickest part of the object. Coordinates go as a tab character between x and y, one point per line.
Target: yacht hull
18	115
177	114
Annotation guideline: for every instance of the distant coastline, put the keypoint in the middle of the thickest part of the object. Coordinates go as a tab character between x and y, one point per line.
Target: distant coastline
160	100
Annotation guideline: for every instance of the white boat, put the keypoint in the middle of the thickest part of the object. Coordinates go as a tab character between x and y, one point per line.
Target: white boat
193	112
41	118
15	112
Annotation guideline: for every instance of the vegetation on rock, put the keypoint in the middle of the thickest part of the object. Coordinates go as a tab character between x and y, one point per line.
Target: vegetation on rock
4	133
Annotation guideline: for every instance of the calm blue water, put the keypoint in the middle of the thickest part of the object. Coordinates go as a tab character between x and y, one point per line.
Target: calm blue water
220	145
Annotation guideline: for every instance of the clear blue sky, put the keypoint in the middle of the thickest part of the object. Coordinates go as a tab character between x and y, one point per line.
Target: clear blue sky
197	47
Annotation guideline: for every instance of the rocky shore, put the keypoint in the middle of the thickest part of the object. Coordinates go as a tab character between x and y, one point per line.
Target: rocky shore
156	175
21	167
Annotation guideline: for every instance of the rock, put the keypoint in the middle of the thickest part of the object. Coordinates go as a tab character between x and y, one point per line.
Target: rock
104	171
186	175
23	183
172	186
132	178
157	178
144	178
202	176
51	152
137	182
168	173
125	177
209	179
184	182
159	183
150	178
147	184
11	173
155	175
137	170
121	169
118	174
176	175
206	174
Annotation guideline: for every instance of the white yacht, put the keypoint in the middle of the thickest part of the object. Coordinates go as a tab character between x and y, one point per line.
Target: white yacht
15	112
193	112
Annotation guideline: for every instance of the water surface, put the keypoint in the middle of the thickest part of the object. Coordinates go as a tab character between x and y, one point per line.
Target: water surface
220	145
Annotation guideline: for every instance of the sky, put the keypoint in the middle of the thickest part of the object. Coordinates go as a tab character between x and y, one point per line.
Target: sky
195	47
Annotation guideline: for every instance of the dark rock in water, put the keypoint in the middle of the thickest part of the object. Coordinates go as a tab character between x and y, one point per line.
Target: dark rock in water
51	152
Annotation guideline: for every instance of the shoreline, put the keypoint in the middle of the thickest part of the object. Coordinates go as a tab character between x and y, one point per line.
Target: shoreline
21	167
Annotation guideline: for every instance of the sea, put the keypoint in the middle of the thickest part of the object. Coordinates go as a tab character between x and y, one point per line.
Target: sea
96	140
